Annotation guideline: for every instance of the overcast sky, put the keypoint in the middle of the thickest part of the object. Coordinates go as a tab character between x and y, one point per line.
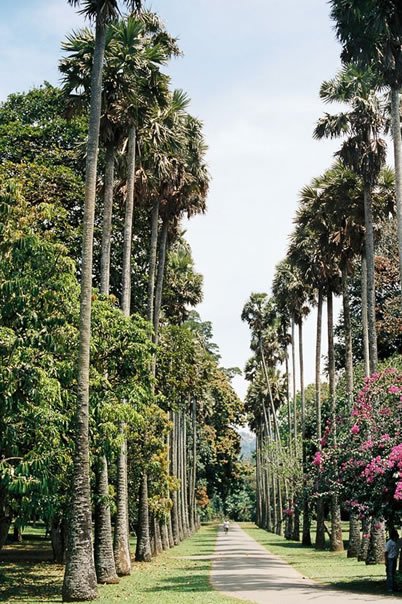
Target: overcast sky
253	70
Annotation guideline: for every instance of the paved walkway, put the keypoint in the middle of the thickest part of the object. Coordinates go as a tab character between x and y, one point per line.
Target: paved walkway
242	568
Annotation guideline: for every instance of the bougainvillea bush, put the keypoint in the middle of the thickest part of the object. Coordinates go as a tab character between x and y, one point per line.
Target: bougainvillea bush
366	463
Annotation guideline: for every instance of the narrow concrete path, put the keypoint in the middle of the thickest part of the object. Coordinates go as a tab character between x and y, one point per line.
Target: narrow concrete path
242	568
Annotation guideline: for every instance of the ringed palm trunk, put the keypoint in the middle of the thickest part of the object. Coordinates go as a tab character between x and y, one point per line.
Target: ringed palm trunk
306	537
348	336
396	137
152	259
320	533
121	539
143	549
128	225
107	219
366	351
104	558
173	465
160	276
294	387
375	553
369	247
354	535
365	540
80	576
121	545
336	526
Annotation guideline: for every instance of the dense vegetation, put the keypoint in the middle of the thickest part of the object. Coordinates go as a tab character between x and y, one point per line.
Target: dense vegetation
113	403
332	450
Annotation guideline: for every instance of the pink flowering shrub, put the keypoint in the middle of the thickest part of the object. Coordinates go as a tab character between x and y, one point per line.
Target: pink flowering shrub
369	456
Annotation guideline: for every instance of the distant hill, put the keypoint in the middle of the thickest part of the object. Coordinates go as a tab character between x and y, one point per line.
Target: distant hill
247	444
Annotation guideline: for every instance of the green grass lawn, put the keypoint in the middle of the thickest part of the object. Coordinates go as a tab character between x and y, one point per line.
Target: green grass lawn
27	575
326	567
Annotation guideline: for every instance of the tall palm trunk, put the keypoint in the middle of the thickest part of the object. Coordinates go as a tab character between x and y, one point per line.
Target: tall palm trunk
366	350
121	541
80	576
173	465
306	536
107	219
336	526
258	511
348	336
396	137
365	540
294	387
104	558
375	553
128	225
354	535
320	532
143	549
121	544
152	259
369	248
160	276
193	481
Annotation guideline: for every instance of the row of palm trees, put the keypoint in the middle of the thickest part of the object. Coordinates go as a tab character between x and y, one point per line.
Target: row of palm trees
337	223
153	150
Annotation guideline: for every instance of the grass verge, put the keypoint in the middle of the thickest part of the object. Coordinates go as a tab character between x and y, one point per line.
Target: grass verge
325	567
178	576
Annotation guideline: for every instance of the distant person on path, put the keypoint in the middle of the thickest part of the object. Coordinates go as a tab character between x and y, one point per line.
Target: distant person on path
391	557
226	525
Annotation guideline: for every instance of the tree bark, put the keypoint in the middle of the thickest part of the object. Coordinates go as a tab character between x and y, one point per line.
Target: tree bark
396	137
294	386
175	512
128	225
80	576
364	543
58	540
348	337
152	259
104	559
143	549
366	350
160	277
371	303
375	553
336	526
121	544
107	220
320	532
354	535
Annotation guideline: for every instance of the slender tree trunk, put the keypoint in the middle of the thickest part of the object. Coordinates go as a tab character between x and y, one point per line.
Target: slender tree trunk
375	553
80	576
104	558
160	276
364	543
194	466
258	518
152	259
279	529
354	535
107	220
143	549
58	540
174	513
121	541
294	387
366	350
128	225
164	531
369	247
121	544
396	137
348	336
306	536
336	526
320	532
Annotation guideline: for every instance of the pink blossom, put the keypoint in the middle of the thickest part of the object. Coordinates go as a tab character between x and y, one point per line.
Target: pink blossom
398	491
355	429
318	459
394	389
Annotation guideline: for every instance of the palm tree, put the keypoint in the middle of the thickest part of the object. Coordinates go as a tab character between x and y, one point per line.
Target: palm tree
371	38
363	151
80	577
